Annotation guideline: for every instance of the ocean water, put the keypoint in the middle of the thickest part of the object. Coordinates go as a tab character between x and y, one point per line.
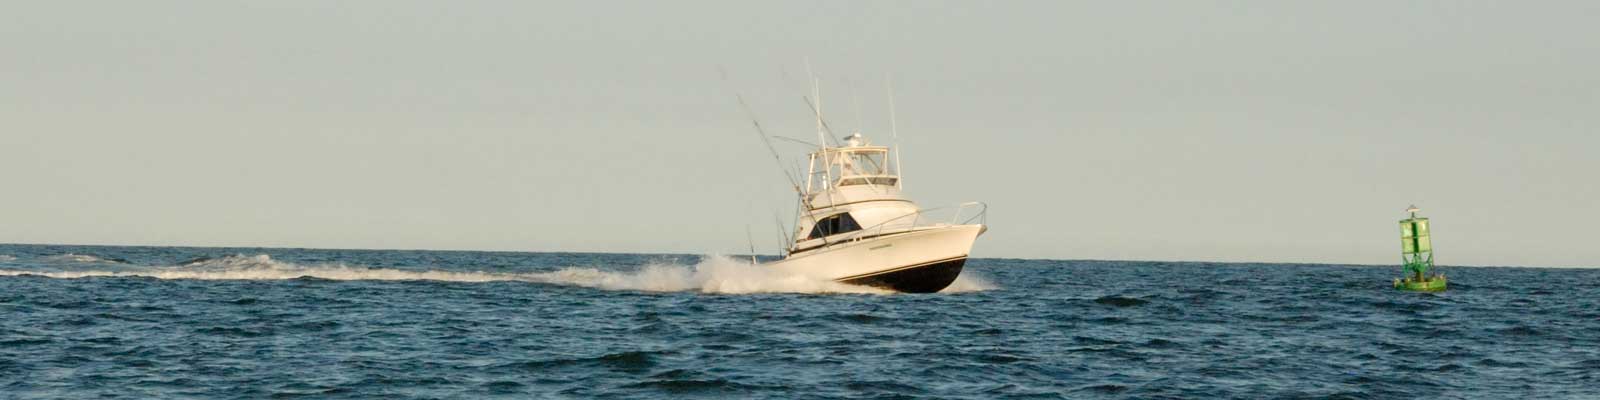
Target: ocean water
158	322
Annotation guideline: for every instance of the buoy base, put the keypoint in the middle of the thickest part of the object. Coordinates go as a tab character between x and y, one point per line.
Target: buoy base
1435	283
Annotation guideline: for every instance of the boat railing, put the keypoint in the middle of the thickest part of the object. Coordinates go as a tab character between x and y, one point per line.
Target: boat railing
960	214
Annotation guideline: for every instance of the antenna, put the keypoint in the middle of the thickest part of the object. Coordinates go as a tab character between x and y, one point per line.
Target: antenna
894	132
855	95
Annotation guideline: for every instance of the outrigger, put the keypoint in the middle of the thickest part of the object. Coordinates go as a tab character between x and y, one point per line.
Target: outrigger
1416	253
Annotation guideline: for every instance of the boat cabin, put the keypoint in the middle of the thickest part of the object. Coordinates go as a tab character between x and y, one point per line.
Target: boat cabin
849	188
855	171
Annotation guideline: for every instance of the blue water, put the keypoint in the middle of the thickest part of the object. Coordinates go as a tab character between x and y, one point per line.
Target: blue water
156	322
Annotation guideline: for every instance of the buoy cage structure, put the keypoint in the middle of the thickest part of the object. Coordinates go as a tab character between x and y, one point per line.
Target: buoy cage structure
1416	254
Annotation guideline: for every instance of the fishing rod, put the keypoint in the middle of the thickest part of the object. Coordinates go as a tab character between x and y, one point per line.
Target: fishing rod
813	145
783	237
752	241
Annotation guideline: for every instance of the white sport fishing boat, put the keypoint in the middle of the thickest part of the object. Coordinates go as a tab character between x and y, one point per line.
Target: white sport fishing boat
856	227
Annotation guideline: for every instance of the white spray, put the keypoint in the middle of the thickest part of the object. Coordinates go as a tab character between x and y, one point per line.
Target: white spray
714	274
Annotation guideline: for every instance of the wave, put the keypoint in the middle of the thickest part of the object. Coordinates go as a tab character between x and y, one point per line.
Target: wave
82	259
7	257
259	267
714	274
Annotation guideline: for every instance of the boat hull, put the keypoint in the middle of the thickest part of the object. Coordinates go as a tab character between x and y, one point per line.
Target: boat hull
926	278
921	261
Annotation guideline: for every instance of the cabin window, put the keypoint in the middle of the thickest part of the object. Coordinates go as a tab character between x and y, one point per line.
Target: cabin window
869	163
836	224
859	162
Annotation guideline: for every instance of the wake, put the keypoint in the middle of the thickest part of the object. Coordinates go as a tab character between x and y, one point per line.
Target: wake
714	274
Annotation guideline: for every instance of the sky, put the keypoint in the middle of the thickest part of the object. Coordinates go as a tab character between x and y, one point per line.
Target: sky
1194	131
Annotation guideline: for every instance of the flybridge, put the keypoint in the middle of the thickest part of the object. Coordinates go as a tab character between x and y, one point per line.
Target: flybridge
835	169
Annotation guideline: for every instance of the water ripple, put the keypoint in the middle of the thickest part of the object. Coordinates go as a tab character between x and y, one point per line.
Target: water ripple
83	321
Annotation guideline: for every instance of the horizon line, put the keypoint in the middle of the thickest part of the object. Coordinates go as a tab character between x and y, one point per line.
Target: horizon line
768	255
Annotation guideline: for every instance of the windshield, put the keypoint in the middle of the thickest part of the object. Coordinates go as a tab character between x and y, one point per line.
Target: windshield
854	163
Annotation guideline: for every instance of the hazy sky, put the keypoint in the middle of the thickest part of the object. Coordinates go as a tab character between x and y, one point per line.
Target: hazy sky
1234	131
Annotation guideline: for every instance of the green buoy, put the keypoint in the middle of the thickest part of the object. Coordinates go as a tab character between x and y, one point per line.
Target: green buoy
1416	252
